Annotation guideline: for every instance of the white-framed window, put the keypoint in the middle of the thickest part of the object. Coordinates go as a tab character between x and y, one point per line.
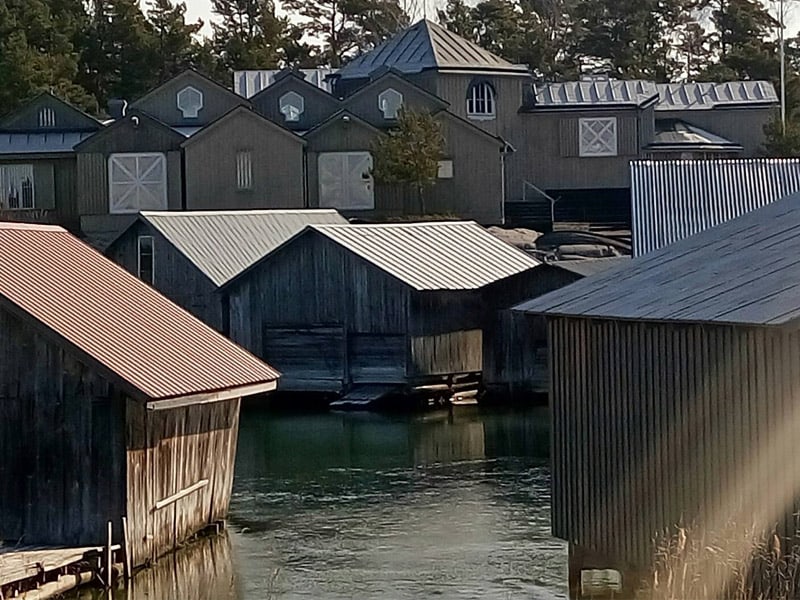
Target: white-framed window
145	258
137	182
480	101
445	169
390	101
17	190
345	180
190	102
598	136
47	117
291	105
244	170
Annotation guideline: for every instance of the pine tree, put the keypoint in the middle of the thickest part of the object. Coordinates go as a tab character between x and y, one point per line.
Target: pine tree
175	46
347	27
249	34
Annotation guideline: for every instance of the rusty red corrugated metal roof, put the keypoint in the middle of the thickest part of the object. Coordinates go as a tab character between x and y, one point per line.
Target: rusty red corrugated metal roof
125	325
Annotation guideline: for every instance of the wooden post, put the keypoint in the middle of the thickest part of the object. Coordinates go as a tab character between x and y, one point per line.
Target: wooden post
109	553
127	545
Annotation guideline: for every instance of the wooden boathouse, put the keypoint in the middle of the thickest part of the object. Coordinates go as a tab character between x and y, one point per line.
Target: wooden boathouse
383	308
116	403
675	382
189	255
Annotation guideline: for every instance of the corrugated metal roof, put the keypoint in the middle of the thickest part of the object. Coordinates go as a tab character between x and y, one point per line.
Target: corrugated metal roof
125	325
433	256
426	45
222	244
706	96
595	92
744	271
674	134
673	199
589	266
41	143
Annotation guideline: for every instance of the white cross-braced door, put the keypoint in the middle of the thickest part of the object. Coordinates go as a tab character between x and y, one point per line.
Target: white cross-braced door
345	180
137	182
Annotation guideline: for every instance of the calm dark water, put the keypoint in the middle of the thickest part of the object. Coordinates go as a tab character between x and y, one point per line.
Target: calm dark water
348	505
355	505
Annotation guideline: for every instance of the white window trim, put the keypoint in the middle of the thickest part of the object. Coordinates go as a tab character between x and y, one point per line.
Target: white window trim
22	170
607	124
385	109
164	196
294	100
47	117
445	169
244	171
472	100
152	258
190	112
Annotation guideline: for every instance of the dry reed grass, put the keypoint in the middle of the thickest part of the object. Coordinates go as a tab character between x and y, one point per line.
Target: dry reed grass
689	558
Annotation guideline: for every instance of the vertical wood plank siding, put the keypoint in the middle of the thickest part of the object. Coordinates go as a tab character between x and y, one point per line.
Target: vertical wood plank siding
92	184
656	424
170	451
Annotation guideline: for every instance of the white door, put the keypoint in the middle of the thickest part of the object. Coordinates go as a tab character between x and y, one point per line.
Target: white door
137	182
345	180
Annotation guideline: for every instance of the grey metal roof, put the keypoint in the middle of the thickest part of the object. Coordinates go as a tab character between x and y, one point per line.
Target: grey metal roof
187	131
589	266
744	271
426	45
705	96
41	143
674	134
673	199
222	244
595	92
433	256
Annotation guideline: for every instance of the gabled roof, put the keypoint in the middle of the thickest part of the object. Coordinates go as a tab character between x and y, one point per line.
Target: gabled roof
291	76
222	244
80	120
190	74
680	136
128	119
593	93
745	271
673	199
706	96
433	255
232	114
394	75
250	83
426	45
341	115
114	321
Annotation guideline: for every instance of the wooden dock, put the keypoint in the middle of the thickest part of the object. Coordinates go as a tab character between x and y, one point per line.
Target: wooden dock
36	573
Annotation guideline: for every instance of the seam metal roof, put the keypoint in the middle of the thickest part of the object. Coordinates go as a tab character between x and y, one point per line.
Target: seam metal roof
222	244
119	321
41	143
435	255
745	272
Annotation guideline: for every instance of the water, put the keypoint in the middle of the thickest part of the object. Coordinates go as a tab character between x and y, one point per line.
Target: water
349	505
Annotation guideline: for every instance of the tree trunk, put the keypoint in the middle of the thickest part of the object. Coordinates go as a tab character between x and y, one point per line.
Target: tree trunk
421	198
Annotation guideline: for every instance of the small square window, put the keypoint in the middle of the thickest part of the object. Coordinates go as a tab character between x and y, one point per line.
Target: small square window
445	169
598	137
244	170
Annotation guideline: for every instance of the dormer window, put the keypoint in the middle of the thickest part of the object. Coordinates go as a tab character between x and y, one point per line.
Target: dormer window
480	101
291	105
190	102
47	117
389	102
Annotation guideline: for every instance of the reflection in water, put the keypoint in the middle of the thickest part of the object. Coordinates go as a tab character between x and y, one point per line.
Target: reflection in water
361	505
348	505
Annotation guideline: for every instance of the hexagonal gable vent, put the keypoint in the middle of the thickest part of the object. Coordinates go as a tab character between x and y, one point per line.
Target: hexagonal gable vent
190	102
389	103
292	106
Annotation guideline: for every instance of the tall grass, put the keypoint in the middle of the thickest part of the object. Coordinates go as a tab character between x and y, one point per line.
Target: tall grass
688	558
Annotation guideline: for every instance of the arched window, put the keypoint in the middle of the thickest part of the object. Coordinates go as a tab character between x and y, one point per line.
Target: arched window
480	101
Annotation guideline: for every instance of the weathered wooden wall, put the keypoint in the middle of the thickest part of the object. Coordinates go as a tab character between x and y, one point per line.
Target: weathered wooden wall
277	166
169	451
657	424
61	443
174	275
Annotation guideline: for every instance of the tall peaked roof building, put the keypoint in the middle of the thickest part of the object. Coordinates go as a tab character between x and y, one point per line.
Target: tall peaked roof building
423	46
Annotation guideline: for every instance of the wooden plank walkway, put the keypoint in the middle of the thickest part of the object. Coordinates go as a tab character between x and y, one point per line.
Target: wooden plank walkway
17	564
